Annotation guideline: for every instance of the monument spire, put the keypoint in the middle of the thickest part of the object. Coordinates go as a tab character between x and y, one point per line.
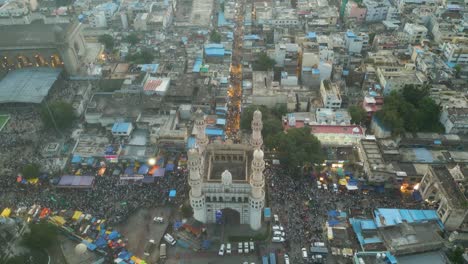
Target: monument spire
256	140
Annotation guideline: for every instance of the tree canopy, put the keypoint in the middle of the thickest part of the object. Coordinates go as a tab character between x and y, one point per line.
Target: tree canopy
30	171
132	39
412	110
271	119
62	113
215	37
142	57
107	40
358	114
296	148
42	235
263	63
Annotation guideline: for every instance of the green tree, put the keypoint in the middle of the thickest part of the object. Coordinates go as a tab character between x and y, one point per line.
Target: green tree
215	37
455	255
133	39
186	210
296	148
271	119
42	236
263	63
358	114
107	40
458	69
30	171
142	57
62	113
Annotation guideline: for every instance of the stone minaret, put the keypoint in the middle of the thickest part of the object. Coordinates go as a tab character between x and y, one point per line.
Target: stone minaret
201	138
197	199
257	197
256	140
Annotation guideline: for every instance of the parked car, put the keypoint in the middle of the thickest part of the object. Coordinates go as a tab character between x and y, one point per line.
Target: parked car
158	219
286	259
169	239
277	228
239	248
277	239
252	246
278	233
228	248
304	253
246	247
221	250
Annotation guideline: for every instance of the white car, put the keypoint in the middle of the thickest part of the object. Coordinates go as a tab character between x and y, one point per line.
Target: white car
277	228
252	246
325	187
278	233
158	219
221	250
276	217
335	187
286	259
277	239
246	247
228	248
319	185
239	248
304	253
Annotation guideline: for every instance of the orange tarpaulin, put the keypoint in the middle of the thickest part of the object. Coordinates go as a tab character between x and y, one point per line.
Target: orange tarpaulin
153	169
44	213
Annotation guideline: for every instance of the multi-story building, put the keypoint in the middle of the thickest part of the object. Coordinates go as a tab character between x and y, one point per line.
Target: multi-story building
454	120
444	187
394	78
376	9
354	43
416	33
455	53
330	93
355	11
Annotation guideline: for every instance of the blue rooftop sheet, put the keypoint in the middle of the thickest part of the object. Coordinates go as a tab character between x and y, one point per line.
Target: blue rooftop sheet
76	159
214	132
214	46
350	34
423	155
311	35
120	127
368	225
267	212
391	216
315	71
197	65
191	142
152	68
172	193
215	52
251	37
221	121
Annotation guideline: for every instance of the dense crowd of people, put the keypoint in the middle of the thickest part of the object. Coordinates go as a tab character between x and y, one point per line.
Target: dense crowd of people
303	208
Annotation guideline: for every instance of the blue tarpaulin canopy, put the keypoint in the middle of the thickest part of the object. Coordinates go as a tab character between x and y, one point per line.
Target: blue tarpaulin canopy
177	224
113	235
267	212
76	159
159	172
333	222
333	213
143	169
90	161
170	167
101	242
172	193
89	245
129	171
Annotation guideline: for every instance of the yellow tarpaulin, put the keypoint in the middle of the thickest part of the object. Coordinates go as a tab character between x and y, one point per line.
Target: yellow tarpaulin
342	182
58	219
76	215
6	212
33	181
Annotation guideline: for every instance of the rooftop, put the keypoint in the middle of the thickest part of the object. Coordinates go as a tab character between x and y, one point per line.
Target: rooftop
27	85
33	34
445	178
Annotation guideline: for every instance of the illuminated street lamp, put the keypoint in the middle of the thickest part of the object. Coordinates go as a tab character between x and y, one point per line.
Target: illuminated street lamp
152	161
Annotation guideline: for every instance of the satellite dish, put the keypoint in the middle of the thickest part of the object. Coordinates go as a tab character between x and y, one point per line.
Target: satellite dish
80	249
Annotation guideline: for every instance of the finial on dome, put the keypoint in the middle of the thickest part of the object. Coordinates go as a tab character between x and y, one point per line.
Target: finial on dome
257	114
258	154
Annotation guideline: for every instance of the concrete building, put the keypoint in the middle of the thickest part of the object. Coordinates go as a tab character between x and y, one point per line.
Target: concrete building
338	135
330	93
455	120
376	10
355	12
416	33
226	180
46	45
332	116
141	22
442	185
394	78
354	44
455	53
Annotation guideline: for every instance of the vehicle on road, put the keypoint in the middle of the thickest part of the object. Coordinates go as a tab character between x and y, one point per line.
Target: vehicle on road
149	247
277	239
304	253
286	259
169	239
272	258
228	248
276	218
221	250
158	219
162	251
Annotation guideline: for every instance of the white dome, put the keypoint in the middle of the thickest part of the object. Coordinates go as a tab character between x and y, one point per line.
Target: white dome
257	114
226	177
258	154
80	249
